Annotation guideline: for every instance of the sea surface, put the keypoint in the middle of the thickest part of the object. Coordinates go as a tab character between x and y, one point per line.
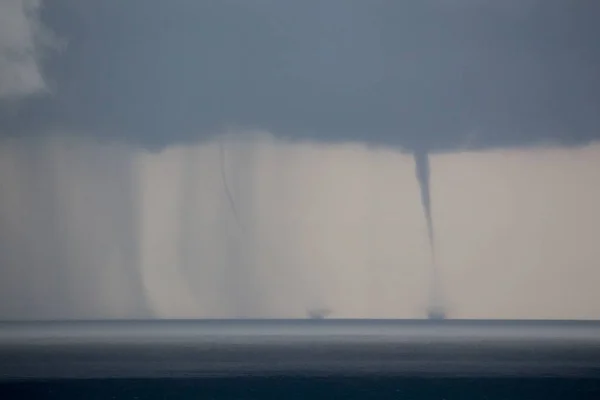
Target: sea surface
307	388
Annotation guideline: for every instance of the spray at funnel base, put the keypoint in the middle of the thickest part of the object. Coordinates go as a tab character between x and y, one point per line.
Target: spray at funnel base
436	308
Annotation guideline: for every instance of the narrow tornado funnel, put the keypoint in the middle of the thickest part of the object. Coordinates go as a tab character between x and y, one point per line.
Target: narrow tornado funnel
436	307
422	172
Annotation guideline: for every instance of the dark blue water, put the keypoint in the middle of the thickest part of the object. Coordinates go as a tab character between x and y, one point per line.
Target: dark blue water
307	388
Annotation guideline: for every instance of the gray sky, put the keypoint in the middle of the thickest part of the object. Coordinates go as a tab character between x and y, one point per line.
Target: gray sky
113	203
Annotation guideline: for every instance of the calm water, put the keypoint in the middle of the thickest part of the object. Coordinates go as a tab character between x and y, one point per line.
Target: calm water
264	360
305	388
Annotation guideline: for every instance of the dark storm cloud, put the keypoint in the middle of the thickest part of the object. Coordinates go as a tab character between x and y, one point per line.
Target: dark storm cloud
407	73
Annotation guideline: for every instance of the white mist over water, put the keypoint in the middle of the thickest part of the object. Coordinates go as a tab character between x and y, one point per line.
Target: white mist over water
104	230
